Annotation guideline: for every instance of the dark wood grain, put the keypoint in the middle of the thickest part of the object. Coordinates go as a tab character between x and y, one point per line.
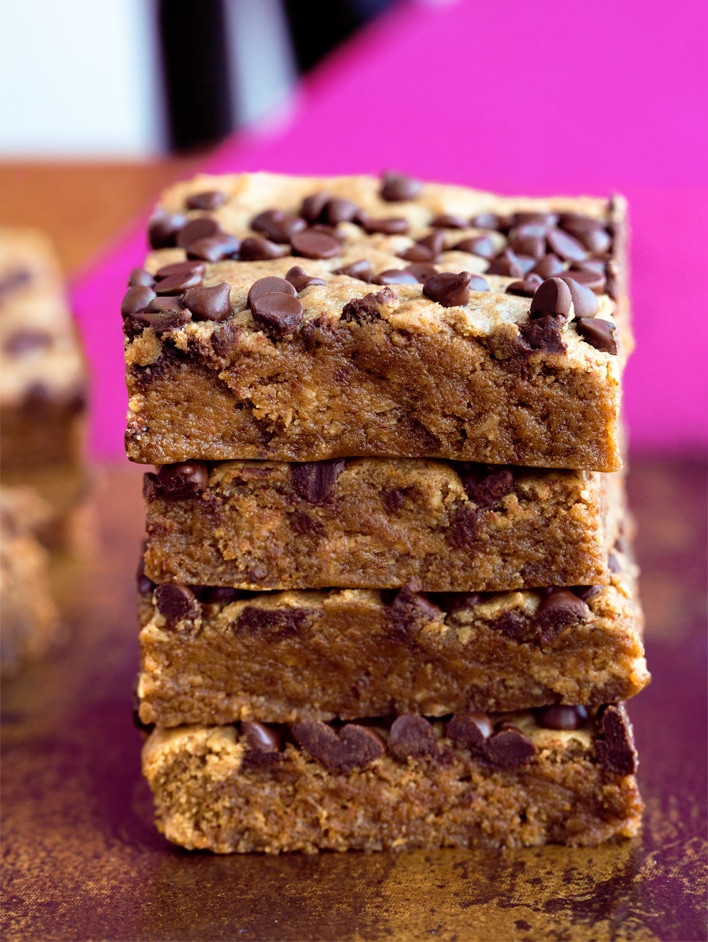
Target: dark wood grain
82	859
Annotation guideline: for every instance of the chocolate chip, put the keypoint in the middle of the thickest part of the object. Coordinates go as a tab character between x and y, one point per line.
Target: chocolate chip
560	716
261	738
136	299
277	225
470	730
300	280
139	276
180	268
26	341
592	279
548	266
394	500
544	333
486	486
421	271
177	284
418	253
313	207
205	227
339	210
465	527
222	595
169	304
163	228
599	334
209	304
448	289
533	245
184	480
435	241
449	221
208	199
509	748
395	276
512	624
565	245
615	751
177	603
305	525
552	298
587	592
526	288
214	248
268	285
277	314
161	315
390	225
489	221
508	263
361	270
585	303
366	309
397	187
452	602
274	624
314	243
314	480
256	249
476	245
557	612
407	606
354	747
412	736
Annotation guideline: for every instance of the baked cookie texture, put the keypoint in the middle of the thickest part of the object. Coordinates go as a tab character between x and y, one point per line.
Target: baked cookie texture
44	387
418	322
506	780
212	655
366	522
30	619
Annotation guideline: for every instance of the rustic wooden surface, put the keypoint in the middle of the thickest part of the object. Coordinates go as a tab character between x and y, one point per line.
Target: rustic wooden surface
81	858
83	861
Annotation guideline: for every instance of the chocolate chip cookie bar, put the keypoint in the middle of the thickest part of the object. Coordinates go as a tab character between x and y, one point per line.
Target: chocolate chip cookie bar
560	775
368	522
43	372
30	620
211	655
311	318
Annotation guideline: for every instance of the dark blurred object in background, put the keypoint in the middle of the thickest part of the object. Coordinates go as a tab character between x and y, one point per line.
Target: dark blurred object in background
317	26
219	57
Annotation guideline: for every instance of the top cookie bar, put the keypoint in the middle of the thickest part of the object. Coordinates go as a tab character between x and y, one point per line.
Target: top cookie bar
399	319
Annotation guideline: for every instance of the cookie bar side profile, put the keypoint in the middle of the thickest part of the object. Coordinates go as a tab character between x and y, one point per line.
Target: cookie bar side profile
219	655
503	781
359	346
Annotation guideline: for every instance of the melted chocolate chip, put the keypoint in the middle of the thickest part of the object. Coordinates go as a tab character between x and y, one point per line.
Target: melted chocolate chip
544	333
214	248
397	187
465	527
277	314
560	716
163	228
209	304
256	249
177	603
314	480
184	480
552	298
277	225
615	750
557	612
361	270
406	607
300	280
268	285
208	199
448	289
355	747
205	227
412	736
509	748
470	730
484	485
314	243
452	602
599	334
511	624
366	309
273	624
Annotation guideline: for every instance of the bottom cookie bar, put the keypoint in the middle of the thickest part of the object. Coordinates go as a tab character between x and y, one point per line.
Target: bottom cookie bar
559	775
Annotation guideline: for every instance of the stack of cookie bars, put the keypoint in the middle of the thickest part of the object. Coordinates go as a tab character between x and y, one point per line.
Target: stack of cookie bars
387	597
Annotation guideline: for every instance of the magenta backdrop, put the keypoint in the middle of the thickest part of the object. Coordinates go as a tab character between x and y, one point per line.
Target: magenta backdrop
519	98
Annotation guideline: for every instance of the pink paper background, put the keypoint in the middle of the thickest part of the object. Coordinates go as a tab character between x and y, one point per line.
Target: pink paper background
519	98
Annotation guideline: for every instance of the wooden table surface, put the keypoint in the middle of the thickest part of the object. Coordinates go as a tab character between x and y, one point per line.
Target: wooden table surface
81	858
